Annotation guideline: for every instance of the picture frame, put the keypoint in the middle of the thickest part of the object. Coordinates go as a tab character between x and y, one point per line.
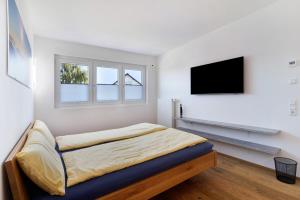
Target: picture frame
19	52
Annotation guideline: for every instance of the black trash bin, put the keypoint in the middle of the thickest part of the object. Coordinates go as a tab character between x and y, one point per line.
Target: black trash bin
286	169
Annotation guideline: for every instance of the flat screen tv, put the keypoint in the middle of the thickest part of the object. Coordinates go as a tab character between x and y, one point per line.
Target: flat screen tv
218	78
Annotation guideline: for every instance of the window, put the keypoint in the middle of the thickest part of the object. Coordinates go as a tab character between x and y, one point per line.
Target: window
88	82
108	83
74	80
134	84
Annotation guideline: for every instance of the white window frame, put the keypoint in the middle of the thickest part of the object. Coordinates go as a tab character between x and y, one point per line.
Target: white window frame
59	60
92	65
143	70
106	64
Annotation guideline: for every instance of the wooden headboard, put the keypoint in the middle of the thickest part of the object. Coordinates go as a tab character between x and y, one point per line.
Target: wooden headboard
17	187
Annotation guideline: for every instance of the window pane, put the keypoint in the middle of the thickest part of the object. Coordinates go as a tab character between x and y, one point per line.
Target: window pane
74	80
107	84
133	85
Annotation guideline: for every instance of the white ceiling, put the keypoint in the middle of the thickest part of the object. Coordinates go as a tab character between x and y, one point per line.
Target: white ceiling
142	26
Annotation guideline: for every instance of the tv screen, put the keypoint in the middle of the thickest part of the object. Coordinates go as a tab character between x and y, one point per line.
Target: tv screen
220	77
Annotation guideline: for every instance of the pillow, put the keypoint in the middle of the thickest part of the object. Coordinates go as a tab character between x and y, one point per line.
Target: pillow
42	127
42	164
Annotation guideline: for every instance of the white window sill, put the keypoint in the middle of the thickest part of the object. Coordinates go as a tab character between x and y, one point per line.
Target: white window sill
100	105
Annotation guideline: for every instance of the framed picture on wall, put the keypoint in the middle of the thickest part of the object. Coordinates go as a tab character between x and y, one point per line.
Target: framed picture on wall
19	54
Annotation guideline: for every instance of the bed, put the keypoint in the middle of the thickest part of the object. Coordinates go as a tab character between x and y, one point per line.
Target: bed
141	181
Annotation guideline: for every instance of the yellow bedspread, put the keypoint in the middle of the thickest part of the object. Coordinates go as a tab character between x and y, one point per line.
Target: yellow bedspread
98	160
76	141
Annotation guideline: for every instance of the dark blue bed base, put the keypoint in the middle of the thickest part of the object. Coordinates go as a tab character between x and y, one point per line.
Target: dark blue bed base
108	183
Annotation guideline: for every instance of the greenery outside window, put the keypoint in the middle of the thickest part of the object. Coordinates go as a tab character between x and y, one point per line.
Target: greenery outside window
74	80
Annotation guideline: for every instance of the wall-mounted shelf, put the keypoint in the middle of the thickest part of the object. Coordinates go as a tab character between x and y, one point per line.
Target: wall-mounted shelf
236	142
252	129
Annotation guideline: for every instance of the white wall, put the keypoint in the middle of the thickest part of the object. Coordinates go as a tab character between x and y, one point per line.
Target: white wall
16	100
268	39
75	120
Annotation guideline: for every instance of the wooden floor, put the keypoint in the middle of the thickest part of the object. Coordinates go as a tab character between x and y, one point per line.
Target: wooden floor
233	179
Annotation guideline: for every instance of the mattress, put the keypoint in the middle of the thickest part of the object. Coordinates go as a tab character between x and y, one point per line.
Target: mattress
108	183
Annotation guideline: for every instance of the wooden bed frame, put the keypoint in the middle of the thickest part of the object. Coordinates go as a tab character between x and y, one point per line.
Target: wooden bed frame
143	189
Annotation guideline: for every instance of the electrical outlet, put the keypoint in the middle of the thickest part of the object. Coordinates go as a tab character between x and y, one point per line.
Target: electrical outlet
293	81
293	108
293	112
